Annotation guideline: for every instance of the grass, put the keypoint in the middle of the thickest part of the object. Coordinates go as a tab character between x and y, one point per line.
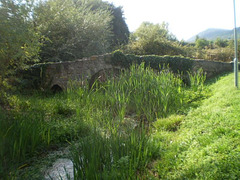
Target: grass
34	125
207	144
119	150
111	126
112	157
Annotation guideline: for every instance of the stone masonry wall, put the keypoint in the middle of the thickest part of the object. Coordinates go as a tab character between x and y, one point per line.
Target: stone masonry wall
80	70
61	73
212	68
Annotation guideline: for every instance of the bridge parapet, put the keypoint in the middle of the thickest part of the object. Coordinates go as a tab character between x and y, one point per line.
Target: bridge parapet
59	74
212	68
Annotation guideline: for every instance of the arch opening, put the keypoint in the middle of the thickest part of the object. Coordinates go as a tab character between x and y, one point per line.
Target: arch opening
102	76
56	89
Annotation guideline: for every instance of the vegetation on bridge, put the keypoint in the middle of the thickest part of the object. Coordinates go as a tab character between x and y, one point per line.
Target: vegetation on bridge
177	64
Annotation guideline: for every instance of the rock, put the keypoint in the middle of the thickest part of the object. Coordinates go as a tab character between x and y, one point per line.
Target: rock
62	169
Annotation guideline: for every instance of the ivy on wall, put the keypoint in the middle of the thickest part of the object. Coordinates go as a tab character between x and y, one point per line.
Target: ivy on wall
35	76
177	64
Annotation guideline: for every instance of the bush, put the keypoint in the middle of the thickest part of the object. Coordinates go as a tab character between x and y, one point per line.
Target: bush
220	54
31	78
155	39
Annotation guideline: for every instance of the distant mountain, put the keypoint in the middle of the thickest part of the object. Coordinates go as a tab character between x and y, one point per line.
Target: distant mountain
213	34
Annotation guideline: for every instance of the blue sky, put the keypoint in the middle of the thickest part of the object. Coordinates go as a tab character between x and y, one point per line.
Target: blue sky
186	18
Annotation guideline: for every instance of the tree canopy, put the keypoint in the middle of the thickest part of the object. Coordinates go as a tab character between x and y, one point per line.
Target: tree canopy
19	40
56	30
71	29
155	39
78	28
201	43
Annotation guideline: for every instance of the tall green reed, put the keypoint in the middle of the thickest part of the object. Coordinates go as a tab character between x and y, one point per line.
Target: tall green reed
197	80
145	92
196	89
100	115
111	152
20	137
139	90
111	157
31	125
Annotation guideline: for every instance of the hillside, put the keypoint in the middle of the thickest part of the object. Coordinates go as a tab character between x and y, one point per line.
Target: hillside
212	34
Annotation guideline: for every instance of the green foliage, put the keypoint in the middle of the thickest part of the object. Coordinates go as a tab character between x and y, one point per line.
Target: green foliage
220	54
202	43
221	43
206	146
218	50
19	40
114	156
177	64
148	94
73	30
153	39
197	80
55	30
171	123
31	78
153	31
21	135
34	125
114	119
118	151
120	28
4	87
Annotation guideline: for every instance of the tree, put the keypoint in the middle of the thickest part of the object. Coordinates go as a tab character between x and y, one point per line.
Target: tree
19	40
155	39
221	42
118	25
120	28
201	43
78	28
72	29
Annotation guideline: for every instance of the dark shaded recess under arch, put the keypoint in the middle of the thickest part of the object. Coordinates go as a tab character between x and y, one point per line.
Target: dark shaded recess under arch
56	88
102	76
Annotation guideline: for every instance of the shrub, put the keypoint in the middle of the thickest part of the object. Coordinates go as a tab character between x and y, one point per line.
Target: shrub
155	39
31	78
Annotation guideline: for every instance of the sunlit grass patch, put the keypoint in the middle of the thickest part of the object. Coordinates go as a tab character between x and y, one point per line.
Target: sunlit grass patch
207	144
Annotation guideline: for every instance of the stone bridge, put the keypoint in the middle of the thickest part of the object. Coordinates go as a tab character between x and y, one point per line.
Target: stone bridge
58	75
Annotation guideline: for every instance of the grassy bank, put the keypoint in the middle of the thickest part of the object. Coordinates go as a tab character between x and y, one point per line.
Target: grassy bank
207	145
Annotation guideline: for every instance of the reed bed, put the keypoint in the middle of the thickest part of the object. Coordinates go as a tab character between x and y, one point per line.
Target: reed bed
110	124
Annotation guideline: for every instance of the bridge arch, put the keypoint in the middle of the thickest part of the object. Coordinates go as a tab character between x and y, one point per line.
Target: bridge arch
56	88
103	75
